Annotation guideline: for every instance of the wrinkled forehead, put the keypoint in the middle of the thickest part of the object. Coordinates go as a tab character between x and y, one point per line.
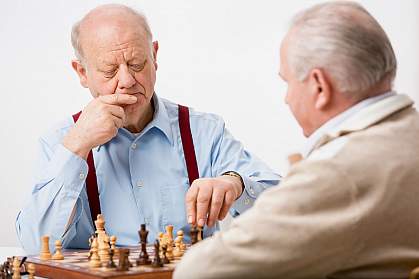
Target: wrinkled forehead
112	37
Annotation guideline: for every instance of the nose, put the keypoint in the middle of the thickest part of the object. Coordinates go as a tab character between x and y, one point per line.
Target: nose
125	78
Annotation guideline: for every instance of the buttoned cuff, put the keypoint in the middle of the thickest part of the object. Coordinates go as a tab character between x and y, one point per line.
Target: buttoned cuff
70	169
246	199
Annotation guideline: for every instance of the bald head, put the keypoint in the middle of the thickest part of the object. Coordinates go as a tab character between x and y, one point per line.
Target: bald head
104	19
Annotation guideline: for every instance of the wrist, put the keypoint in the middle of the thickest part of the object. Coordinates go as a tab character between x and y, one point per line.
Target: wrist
240	187
75	144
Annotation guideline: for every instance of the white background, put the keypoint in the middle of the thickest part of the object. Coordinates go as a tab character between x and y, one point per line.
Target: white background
218	56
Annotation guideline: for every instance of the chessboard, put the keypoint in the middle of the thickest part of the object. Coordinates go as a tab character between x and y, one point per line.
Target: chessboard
76	265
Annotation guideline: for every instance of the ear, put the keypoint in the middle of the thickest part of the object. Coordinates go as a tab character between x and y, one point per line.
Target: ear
321	88
81	72
155	50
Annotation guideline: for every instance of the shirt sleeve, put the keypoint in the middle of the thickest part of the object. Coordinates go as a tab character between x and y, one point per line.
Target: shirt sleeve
55	204
230	155
307	228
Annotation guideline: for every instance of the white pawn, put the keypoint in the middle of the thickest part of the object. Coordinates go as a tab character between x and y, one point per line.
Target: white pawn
94	259
31	271
16	268
177	252
180	237
112	242
58	251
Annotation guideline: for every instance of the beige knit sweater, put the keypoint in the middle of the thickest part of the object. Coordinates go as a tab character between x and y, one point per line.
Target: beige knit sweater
349	210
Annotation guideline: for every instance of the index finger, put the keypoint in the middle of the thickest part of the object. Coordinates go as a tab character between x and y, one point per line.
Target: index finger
118	99
190	199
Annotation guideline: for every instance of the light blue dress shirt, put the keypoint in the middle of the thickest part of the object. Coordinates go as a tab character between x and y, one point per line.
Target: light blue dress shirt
141	179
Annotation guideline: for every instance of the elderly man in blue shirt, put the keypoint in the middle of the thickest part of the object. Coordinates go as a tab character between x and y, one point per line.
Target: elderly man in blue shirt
131	155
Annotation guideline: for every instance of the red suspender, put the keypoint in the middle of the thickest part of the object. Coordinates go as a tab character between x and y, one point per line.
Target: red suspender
91	182
188	151
187	142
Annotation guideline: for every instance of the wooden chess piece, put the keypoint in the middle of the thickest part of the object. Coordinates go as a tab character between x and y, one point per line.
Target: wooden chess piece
123	264
111	263
31	271
100	223
102	239
104	250
143	258
112	242
169	251
180	237
165	259
194	235
16	268
177	252
169	232
8	267
45	253
94	259
58	251
157	262
200	233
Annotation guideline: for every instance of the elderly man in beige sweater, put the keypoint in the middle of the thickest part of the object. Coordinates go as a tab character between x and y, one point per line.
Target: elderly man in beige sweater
350	208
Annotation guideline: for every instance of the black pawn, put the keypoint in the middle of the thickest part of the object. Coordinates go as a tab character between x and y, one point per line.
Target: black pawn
157	260
194	234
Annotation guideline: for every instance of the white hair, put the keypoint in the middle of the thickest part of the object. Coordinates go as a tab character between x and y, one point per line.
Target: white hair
75	31
344	40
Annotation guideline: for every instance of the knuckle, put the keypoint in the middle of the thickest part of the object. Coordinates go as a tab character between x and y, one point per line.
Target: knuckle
115	97
203	199
217	202
189	198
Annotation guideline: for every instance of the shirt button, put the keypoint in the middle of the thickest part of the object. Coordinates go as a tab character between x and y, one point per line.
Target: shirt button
139	184
246	201
82	176
252	191
134	145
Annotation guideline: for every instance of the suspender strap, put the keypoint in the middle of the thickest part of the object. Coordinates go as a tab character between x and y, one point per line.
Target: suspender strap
91	182
187	142
188	150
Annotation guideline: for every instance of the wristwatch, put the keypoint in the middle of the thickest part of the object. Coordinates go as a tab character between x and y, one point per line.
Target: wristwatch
235	174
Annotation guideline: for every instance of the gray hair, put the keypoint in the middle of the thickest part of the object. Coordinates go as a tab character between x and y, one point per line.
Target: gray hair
75	30
344	40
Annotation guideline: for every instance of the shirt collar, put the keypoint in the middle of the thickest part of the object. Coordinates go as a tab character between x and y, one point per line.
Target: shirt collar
339	119
160	119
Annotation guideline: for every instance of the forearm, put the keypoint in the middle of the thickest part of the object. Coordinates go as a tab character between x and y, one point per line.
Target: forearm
53	199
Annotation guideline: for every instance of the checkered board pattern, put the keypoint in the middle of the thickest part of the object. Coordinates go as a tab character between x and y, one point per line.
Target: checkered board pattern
76	265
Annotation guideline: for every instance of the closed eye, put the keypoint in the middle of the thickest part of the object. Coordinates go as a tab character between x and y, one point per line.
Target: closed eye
109	73
138	67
